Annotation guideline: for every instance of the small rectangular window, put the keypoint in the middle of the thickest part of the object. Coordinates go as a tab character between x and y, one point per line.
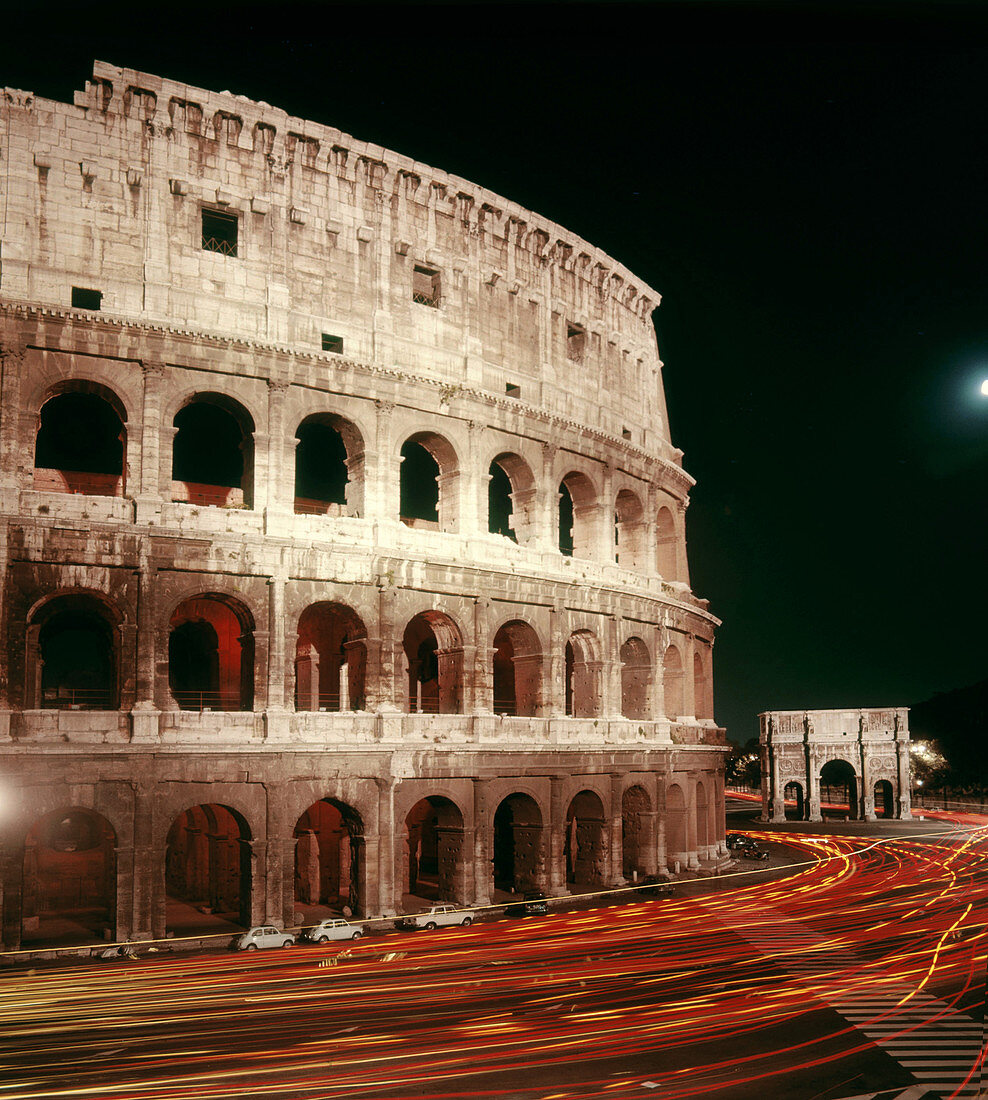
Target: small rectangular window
219	232
576	341
332	343
86	299
425	286
626	433
512	390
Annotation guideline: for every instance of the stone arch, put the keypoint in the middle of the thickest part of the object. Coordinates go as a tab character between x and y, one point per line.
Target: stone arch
213	452
208	869
636	679
517	674
211	654
629	530
435	865
636	832
519	855
579	509
585	842
702	685
511	498
702	817
329	466
672	682
666	545
81	442
329	838
70	878
676	842
330	658
839	789
72	652
884	796
793	792
583	675
433	648
429	482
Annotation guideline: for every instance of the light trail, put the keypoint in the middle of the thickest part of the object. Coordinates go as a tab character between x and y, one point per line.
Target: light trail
677	987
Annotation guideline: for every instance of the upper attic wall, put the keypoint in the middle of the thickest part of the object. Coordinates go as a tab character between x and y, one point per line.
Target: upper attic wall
109	192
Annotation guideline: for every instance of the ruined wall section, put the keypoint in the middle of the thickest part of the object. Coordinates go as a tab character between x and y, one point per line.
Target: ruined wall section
108	194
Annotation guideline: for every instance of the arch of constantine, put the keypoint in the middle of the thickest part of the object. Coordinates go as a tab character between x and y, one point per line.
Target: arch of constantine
862	754
343	536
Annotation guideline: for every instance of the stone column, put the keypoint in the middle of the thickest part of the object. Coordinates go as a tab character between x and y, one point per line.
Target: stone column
381	675
148	495
547	505
607	547
18	426
692	861
483	843
616	877
611	671
866	795
557	838
904	793
388	901
481	690
555	666
144	715
813	785
778	787
659	644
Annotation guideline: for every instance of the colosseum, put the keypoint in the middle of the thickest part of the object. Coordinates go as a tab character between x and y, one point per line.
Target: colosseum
344	539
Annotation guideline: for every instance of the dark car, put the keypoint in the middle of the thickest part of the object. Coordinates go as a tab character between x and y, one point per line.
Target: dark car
736	841
531	905
653	886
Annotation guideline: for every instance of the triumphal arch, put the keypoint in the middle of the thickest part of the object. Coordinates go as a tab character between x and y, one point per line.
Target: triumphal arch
862	753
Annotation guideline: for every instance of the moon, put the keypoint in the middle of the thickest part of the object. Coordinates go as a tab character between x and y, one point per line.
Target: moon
984	387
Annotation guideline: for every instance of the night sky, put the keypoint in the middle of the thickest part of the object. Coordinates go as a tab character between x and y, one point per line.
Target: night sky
805	184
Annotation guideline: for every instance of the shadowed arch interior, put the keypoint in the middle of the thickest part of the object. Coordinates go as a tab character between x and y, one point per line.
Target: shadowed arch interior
517	670
328	855
73	648
211	654
519	858
81	443
584	846
433	649
330	659
434	867
213	453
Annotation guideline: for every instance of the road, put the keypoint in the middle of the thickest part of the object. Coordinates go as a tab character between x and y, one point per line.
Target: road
862	969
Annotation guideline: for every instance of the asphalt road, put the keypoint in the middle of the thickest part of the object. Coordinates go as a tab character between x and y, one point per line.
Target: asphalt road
855	964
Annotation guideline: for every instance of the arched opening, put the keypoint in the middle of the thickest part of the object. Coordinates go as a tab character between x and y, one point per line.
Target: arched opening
636	679
211	655
666	545
329	840
838	790
81	442
72	655
578	506
207	871
428	483
517	670
584	844
511	498
434	655
328	455
792	797
434	868
884	799
213	453
583	666
629	531
672	682
636	833
70	879
702	817
330	659
676	850
701	687
519	860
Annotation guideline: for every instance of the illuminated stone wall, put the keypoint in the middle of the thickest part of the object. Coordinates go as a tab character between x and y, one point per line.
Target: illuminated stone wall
379	506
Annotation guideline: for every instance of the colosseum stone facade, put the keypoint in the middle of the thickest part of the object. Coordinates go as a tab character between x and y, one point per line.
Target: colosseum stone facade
344	536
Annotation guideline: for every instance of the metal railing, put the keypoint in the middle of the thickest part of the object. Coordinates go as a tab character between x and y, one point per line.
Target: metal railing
78	699
216	244
209	700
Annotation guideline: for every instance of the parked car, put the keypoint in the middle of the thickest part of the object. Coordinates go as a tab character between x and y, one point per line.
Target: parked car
752	851
264	935
436	916
736	841
532	904
654	886
332	929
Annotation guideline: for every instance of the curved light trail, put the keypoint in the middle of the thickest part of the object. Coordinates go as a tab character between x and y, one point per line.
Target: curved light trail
867	959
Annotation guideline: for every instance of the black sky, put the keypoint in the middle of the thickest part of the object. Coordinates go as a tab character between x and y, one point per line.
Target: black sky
805	184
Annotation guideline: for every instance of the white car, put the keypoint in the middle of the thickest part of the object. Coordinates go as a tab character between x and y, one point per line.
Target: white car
437	916
332	929
264	935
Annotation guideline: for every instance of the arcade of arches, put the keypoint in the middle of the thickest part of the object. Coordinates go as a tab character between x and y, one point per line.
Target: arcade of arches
222	865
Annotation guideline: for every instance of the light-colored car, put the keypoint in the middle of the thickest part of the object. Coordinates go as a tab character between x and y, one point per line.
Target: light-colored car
264	935
437	916
332	929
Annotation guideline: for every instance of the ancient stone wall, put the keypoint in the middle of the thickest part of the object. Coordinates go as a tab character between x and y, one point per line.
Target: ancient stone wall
344	538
